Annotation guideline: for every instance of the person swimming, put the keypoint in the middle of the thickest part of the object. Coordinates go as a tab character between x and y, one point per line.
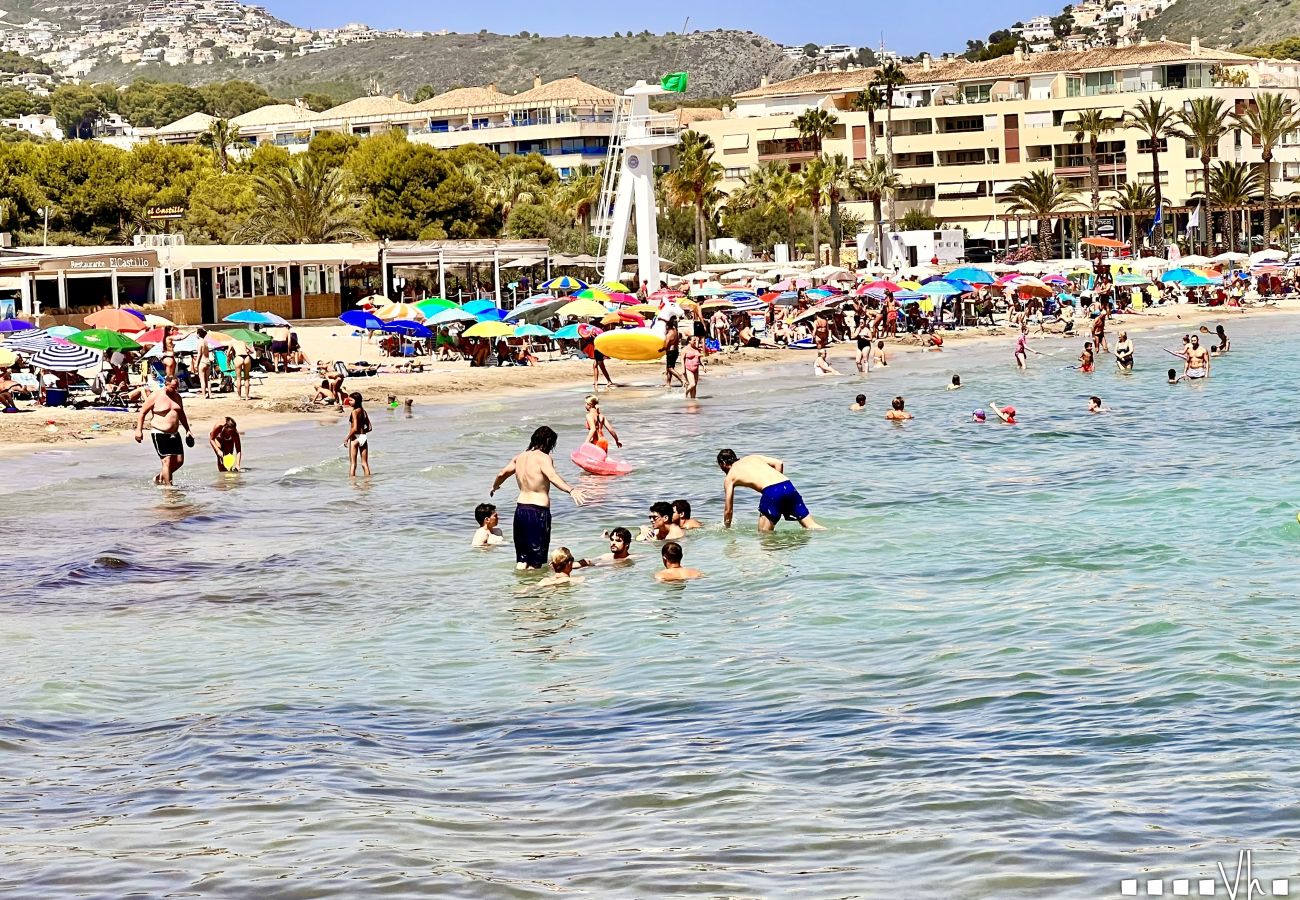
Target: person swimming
1094	405
859	403
488	533
896	412
955	385
673	569
978	416
1007	414
682	516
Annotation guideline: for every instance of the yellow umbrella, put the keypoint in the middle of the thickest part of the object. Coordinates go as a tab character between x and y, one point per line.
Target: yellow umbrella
405	311
644	309
618	286
7	357
583	309
910	285
490	330
153	320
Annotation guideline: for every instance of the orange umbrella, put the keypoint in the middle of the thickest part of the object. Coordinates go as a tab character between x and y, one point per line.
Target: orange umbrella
115	320
1108	243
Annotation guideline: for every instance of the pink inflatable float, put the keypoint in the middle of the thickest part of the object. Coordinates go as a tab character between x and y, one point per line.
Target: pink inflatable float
591	458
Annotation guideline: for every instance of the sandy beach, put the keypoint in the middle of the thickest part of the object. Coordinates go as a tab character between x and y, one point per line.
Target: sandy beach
285	397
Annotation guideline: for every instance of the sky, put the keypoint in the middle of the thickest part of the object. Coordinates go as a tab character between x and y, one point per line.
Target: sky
910	27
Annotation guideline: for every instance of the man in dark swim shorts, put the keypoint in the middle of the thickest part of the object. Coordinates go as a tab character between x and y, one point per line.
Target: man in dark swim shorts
778	498
534	471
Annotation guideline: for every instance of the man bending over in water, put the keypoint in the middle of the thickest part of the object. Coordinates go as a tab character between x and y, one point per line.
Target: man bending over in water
165	412
778	497
534	472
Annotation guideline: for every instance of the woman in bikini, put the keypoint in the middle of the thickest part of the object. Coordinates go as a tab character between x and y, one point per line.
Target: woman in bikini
169	351
862	333
691	366
597	425
358	439
243	370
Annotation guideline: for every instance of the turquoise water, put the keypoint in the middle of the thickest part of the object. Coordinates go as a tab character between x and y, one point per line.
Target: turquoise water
1024	661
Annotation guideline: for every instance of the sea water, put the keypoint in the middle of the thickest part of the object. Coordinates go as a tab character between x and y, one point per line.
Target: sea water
1024	661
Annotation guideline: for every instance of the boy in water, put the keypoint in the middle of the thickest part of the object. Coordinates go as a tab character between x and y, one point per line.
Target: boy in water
562	563
1094	405
859	403
682	516
488	534
1086	357
1174	377
673	569
897	413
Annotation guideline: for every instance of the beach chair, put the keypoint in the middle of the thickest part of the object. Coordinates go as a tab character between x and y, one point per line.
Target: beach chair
227	370
29	387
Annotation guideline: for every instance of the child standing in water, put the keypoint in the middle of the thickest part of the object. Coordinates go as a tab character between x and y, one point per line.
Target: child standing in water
358	439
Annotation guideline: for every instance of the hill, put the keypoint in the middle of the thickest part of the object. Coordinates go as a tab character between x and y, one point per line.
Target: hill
720	63
1234	24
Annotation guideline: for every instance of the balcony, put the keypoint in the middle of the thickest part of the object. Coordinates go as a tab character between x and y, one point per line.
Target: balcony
791	149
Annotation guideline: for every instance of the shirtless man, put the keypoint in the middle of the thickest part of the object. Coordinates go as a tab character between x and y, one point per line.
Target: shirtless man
620	547
766	475
1124	352
166	415
672	348
534	472
682	516
896	412
661	527
597	425
1198	360
673	569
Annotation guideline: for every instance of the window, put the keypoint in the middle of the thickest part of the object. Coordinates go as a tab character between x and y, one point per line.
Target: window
190	284
916	192
229	284
1099	83
480	123
963	123
1194	152
439	126
311	280
1144	146
735	172
977	93
281	280
258	281
329	279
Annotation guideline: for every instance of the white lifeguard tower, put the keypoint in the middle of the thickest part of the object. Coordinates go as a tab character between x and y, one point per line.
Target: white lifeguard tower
629	181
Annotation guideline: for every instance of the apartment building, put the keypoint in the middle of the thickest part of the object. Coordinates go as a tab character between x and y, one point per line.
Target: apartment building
567	121
965	132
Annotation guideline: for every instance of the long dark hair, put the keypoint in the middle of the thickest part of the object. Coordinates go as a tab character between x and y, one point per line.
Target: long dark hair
543	439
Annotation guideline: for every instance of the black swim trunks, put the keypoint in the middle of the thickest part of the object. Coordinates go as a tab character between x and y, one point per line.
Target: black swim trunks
670	359
168	444
532	534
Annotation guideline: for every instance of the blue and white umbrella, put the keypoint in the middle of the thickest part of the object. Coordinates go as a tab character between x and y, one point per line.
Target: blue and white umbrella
65	357
450	317
255	317
535	309
31	341
747	302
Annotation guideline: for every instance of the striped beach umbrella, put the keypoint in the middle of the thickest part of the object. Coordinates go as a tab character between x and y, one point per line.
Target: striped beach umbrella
403	311
747	302
28	342
65	357
563	283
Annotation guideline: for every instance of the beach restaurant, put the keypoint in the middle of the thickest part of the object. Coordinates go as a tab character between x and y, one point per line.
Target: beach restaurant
196	283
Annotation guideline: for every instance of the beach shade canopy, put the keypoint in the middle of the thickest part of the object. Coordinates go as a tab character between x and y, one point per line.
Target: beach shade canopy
1178	276
563	283
114	320
154	321
1103	242
718	303
972	275
450	317
582	309
408	328
247	336
255	317
490	330
65	357
940	289
103	339
359	318
10	326
567	333
407	312
881	286
1229	257
434	305
531	330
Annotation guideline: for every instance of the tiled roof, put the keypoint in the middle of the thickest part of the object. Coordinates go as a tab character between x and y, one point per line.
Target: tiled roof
368	106
198	121
464	98
688	114
1153	53
571	88
274	114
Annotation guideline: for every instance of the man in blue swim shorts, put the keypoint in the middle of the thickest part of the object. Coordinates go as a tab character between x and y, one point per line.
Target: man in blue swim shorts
534	471
778	498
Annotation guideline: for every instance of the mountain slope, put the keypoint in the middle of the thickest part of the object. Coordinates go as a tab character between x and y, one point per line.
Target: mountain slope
720	63
1235	23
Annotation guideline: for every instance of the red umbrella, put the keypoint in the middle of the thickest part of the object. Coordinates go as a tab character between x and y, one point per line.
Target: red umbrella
115	320
623	299
770	296
882	286
152	336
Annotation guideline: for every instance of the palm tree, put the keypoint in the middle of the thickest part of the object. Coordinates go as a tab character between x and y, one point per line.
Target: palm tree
873	179
837	176
578	195
694	183
868	101
302	203
1157	122
1133	198
508	187
1092	124
1271	118
815	125
1042	195
1203	124
815	179
1233	184
888	79
221	136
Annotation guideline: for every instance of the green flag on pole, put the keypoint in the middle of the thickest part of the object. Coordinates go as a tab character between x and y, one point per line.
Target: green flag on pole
675	82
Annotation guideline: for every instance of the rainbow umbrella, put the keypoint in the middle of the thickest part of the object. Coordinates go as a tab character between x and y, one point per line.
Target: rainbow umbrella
563	283
593	293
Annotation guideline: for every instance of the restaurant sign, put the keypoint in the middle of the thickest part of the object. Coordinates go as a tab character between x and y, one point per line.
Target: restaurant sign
166	212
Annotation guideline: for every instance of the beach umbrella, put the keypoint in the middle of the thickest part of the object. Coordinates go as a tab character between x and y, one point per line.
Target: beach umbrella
373	300
138	313
449	317
583	309
62	330
972	275
394	311
478	306
1054	279
1177	276
10	326
190	344
645	309
1103	242
623	317
563	283
618	286
535	309
598	294
665	294
739	275
718	303
7	357
434	305
490	330
1193	259
819	293
103	339
1132	279
792	284
622	299
152	336
494	314
114	320
247	336
31	341
359	318
568	332
255	317
408	328
65	357
530	330
1229	257
152	320
712	289
940	289
747	302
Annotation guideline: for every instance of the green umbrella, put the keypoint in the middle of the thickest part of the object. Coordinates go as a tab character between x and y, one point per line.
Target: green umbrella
247	336
434	305
103	339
